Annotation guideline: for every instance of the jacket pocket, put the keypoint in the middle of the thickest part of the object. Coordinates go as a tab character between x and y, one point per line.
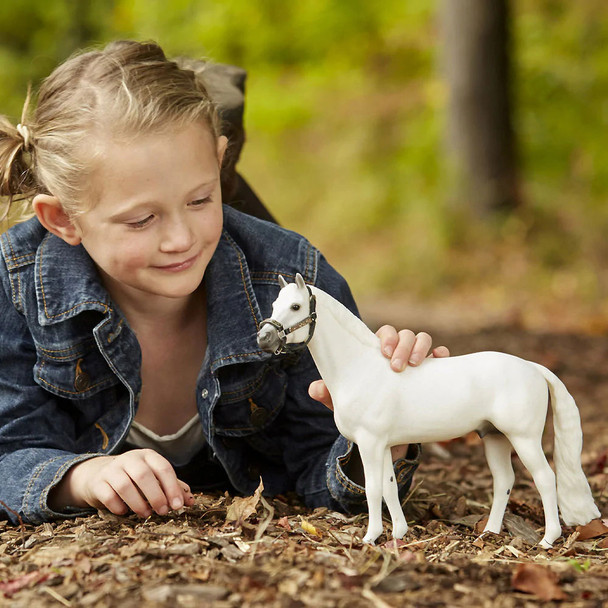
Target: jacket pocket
77	372
252	404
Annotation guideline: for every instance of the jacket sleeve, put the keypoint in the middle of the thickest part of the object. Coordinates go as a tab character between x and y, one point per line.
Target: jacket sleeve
37	436
318	455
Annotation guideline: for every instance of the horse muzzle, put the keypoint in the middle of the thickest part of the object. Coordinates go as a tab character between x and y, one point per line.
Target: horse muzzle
269	339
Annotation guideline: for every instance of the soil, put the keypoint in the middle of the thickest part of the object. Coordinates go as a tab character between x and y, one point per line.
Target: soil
229	552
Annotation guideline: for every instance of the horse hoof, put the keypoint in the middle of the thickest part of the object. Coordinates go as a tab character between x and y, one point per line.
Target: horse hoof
545	544
370	537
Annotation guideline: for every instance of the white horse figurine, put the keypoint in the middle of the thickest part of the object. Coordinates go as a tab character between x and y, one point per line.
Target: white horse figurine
502	397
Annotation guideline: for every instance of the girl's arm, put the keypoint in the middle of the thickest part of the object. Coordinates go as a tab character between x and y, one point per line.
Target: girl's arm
43	474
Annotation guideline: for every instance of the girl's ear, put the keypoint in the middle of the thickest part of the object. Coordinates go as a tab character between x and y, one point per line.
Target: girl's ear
52	216
222	144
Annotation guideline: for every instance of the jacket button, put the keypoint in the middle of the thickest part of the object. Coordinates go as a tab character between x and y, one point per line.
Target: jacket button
82	381
259	417
204	393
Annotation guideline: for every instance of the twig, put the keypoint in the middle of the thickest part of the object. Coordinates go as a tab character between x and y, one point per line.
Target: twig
368	594
57	596
262	526
21	524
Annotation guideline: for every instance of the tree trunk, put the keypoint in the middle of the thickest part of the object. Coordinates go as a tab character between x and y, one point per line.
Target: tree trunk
480	133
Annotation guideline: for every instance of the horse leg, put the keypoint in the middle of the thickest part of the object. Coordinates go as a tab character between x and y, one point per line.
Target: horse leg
372	457
533	458
391	496
498	455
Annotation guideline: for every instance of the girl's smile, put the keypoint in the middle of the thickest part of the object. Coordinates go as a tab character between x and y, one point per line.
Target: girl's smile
179	266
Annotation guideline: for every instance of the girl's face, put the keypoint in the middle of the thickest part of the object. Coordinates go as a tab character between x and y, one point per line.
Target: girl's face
158	215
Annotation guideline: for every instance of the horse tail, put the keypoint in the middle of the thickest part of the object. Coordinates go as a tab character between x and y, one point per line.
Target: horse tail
573	492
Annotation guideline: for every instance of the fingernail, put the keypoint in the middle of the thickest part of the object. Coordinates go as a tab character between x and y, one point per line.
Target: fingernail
398	365
388	351
177	503
414	361
163	510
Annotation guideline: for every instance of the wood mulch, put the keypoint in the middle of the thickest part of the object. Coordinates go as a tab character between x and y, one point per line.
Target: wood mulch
256	551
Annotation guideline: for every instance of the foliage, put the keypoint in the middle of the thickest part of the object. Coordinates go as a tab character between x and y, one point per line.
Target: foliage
345	123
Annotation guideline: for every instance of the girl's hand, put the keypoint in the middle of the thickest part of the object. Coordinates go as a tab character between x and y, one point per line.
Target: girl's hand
403	348
142	481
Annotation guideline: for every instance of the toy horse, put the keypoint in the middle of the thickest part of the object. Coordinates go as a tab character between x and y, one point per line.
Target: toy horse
502	397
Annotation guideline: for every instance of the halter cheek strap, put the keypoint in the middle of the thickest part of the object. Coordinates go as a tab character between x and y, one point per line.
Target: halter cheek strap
283	332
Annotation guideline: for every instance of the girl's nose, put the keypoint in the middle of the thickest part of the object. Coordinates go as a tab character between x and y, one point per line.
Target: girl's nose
177	236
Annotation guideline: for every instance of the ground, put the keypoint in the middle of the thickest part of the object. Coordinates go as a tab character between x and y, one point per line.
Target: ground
229	552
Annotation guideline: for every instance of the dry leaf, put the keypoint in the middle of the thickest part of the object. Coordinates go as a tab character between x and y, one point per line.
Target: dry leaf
478	542
11	587
241	509
308	527
595	528
537	580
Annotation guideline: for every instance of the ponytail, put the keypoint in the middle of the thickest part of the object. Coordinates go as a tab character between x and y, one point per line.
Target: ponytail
17	180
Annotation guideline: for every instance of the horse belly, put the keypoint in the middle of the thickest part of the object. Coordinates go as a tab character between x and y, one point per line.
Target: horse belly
445	398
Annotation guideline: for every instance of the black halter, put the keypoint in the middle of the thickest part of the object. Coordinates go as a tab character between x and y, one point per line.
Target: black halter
283	332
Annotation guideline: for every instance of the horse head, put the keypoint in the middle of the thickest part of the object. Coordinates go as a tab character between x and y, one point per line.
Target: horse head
293	319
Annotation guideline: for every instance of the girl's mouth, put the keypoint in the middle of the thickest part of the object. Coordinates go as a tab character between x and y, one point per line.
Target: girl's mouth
178	266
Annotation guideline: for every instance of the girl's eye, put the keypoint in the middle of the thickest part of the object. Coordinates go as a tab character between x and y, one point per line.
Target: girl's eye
295	307
140	223
200	201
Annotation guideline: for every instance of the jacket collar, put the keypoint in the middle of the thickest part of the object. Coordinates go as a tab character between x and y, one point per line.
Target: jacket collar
233	312
63	295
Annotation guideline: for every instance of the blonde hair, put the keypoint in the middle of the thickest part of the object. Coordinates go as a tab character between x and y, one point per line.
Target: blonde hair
123	89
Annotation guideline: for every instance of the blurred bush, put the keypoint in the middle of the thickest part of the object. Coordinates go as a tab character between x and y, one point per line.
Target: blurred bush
345	119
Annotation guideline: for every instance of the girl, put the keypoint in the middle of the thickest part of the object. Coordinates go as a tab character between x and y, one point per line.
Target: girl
129	369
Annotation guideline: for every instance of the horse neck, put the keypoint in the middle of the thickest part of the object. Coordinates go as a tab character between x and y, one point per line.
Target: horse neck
339	339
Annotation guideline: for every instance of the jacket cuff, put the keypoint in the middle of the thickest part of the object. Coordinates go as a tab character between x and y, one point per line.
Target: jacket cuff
349	495
45	477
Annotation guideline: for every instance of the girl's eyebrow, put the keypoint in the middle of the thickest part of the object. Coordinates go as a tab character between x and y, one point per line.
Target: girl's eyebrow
129	208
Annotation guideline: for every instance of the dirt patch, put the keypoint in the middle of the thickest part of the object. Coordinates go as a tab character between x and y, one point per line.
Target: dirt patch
262	552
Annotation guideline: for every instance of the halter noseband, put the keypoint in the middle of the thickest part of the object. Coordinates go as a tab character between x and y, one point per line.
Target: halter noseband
283	332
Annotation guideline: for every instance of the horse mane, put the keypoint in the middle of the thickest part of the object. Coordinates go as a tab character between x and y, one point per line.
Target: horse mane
349	321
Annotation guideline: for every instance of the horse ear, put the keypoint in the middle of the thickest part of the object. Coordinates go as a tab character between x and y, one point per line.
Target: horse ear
282	281
300	281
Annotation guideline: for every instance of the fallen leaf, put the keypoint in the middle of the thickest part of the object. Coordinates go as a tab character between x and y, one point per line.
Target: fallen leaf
518	527
308	527
480	525
241	509
537	580
394	543
9	588
478	542
283	522
595	528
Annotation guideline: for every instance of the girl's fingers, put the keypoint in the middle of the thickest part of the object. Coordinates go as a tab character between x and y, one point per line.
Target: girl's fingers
188	497
318	391
389	339
420	349
126	489
404	351
173	493
107	498
149	485
440	351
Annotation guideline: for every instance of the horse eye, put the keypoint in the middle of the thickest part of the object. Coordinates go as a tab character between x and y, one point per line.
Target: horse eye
295	307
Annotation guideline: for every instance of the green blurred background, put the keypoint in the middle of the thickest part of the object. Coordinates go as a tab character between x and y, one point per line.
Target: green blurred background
346	120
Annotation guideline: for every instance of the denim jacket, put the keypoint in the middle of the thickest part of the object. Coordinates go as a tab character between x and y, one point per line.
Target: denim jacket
70	371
